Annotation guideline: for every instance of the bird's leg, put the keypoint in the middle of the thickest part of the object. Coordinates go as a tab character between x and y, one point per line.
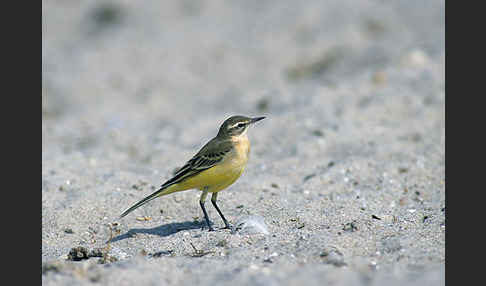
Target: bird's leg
202	200
214	197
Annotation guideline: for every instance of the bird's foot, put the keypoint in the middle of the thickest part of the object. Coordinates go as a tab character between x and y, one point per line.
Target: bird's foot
228	226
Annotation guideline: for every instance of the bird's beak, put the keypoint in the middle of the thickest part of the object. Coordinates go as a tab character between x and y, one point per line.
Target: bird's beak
253	120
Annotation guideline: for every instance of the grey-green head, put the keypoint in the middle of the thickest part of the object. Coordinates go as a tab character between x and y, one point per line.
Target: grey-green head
236	125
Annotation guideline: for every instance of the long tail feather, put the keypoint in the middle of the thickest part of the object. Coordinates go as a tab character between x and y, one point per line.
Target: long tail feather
160	192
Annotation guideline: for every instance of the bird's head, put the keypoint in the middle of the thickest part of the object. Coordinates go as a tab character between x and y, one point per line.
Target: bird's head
237	125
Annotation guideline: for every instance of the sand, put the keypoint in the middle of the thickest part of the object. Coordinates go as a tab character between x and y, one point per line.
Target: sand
346	174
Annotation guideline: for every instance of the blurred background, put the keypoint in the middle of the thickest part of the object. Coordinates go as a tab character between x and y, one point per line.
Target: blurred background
174	70
353	92
194	60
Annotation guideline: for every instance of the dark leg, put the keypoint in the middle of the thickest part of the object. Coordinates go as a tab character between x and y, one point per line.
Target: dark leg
201	203
214	197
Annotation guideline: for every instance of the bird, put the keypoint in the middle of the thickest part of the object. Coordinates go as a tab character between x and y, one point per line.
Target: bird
217	165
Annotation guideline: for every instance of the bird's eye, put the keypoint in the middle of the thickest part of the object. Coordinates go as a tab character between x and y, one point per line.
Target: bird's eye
240	125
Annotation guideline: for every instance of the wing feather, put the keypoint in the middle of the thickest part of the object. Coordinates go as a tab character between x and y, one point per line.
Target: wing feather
210	155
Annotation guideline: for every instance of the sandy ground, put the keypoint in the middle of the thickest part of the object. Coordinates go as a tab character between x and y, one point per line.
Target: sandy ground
347	172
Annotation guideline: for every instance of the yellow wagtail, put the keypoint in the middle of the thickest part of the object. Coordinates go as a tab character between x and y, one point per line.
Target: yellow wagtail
216	166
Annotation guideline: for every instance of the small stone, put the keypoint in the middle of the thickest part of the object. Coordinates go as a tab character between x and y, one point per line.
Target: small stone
388	219
252	224
308	177
144	218
78	253
162	253
331	255
350	226
425	218
97	252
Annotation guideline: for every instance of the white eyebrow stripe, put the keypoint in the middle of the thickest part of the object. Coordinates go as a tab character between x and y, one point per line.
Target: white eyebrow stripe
234	125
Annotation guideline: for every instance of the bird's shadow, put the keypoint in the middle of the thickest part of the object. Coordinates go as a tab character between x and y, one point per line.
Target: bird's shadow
162	230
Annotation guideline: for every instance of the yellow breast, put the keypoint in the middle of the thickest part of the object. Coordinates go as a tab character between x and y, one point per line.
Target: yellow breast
224	174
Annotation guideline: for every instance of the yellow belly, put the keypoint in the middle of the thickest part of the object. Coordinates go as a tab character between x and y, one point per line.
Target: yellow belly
216	178
220	176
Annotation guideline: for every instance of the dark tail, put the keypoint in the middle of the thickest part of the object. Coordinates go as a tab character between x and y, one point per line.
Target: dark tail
156	194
